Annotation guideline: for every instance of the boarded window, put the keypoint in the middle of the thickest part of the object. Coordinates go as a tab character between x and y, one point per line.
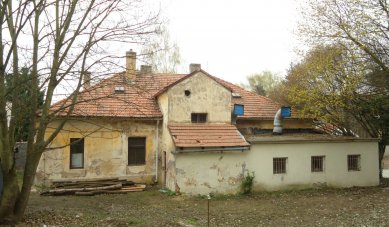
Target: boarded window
76	153
279	165
354	162
317	163
136	150
199	117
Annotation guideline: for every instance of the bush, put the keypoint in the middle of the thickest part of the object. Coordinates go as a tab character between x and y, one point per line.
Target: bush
247	183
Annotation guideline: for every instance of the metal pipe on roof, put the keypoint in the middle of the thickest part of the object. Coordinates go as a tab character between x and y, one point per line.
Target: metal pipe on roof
277	123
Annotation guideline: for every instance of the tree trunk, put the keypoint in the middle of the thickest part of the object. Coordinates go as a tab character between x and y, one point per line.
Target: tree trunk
13	200
32	162
9	197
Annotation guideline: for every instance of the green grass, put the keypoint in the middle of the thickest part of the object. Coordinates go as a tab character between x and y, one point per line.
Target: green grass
134	221
193	221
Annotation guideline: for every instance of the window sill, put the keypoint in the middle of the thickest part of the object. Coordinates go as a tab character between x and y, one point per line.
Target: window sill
135	169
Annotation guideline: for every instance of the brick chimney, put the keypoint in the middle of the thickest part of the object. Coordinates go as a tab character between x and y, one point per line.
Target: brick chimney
194	67
86	76
146	69
131	65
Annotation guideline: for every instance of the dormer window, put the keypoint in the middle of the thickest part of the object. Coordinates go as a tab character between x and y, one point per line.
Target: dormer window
199	117
119	89
236	95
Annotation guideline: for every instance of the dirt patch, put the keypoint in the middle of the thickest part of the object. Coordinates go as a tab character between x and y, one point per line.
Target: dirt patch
324	207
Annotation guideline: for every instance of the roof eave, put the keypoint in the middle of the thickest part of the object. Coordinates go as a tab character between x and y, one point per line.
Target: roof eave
211	149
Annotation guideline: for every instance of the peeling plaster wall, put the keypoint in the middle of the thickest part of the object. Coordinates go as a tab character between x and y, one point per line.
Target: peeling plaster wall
202	173
105	151
166	145
206	96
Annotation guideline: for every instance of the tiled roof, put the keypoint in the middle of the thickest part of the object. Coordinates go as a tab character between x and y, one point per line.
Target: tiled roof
255	106
138	99
206	135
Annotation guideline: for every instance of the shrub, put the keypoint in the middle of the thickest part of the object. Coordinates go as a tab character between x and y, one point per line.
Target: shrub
247	183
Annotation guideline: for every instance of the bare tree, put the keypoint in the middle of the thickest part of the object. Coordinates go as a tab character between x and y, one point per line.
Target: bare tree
360	25
57	41
264	83
162	53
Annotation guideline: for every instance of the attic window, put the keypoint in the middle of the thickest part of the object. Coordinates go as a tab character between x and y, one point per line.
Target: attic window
199	117
119	89
236	95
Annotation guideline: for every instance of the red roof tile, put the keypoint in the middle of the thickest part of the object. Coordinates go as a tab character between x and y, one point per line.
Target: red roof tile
255	106
138	99
206	135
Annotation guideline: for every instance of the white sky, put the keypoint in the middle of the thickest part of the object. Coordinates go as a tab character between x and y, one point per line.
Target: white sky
233	39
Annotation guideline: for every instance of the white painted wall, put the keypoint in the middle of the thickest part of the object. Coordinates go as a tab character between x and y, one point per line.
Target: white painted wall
202	173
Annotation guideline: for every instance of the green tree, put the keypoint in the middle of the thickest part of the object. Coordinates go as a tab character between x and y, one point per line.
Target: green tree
58	41
264	83
22	124
331	85
361	28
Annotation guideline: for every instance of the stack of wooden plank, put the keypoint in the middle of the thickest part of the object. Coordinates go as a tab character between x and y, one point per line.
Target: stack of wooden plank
93	187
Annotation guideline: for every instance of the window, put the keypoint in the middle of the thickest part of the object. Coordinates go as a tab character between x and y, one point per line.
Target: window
236	95
317	163
354	162
119	89
136	150
199	117
279	165
76	153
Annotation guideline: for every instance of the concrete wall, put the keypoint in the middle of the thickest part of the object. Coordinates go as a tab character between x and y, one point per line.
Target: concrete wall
201	173
20	155
105	151
206	96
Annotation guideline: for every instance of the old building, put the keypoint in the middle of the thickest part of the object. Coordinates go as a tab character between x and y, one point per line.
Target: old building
196	133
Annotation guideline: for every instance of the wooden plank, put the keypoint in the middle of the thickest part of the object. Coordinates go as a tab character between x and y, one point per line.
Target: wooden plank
85	189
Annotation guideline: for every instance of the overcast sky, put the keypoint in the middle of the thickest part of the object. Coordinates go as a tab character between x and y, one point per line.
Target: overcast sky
233	39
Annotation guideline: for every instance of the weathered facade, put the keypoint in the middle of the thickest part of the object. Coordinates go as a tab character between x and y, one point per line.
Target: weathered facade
183	132
223	172
105	151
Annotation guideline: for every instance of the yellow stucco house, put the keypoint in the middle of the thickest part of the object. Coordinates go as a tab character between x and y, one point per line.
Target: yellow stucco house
195	133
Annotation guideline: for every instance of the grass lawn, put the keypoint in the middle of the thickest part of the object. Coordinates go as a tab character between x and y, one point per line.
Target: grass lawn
325	207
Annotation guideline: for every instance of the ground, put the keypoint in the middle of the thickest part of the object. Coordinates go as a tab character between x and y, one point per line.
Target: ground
324	207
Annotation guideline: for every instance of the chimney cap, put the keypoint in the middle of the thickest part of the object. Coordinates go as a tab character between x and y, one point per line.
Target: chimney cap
194	67
130	53
146	69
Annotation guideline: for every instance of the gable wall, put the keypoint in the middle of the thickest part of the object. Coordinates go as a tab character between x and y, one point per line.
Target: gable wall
207	96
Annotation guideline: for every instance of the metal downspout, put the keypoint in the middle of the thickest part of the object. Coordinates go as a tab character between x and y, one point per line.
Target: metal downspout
156	150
